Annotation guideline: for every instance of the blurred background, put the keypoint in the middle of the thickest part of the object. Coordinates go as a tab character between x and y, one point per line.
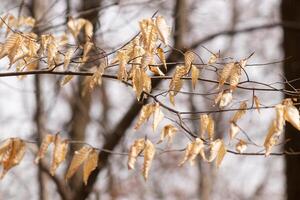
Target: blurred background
34	105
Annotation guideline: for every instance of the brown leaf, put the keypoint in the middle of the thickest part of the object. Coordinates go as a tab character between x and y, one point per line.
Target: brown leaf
168	132
213	58
241	146
291	113
193	149
235	76
233	131
90	165
157	116
189	58
136	148
15	150
162	57
257	103
195	76
204	121
221	154
47	140
240	113
59	154
226	72
79	157
149	153
146	112
163	29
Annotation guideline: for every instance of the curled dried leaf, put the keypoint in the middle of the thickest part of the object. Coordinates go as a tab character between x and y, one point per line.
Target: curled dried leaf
66	80
240	113
233	131
163	29
226	72
189	58
79	157
224	98
176	82
149	152
168	132
94	80
47	140
59	154
204	121
241	146
211	128
146	112
193	149
136	148
291	113
217	151
213	58
162	57
235	76
76	25
123	59
272	137
157	116
257	103
12	153
195	76
90	165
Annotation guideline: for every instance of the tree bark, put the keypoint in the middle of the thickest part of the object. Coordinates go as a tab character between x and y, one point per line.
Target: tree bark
291	40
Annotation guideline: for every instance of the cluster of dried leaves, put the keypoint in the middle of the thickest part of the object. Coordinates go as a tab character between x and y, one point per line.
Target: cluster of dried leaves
13	150
143	57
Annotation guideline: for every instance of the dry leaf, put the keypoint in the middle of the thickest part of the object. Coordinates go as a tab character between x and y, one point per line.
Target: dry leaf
195	76
162	57
235	76
12	153
59	154
225	74
79	157
241	146
168	132
90	165
146	112
94	80
123	59
213	58
224	98
176	82
189	58
240	113
272	137
47	140
163	29
257	103
204	121
66	80
291	113
221	154
192	150
157	116
233	131
211	128
149	152
137	147
217	150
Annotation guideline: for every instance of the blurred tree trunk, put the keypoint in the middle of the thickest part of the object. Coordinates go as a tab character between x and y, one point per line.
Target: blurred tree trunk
36	9
290	11
81	104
